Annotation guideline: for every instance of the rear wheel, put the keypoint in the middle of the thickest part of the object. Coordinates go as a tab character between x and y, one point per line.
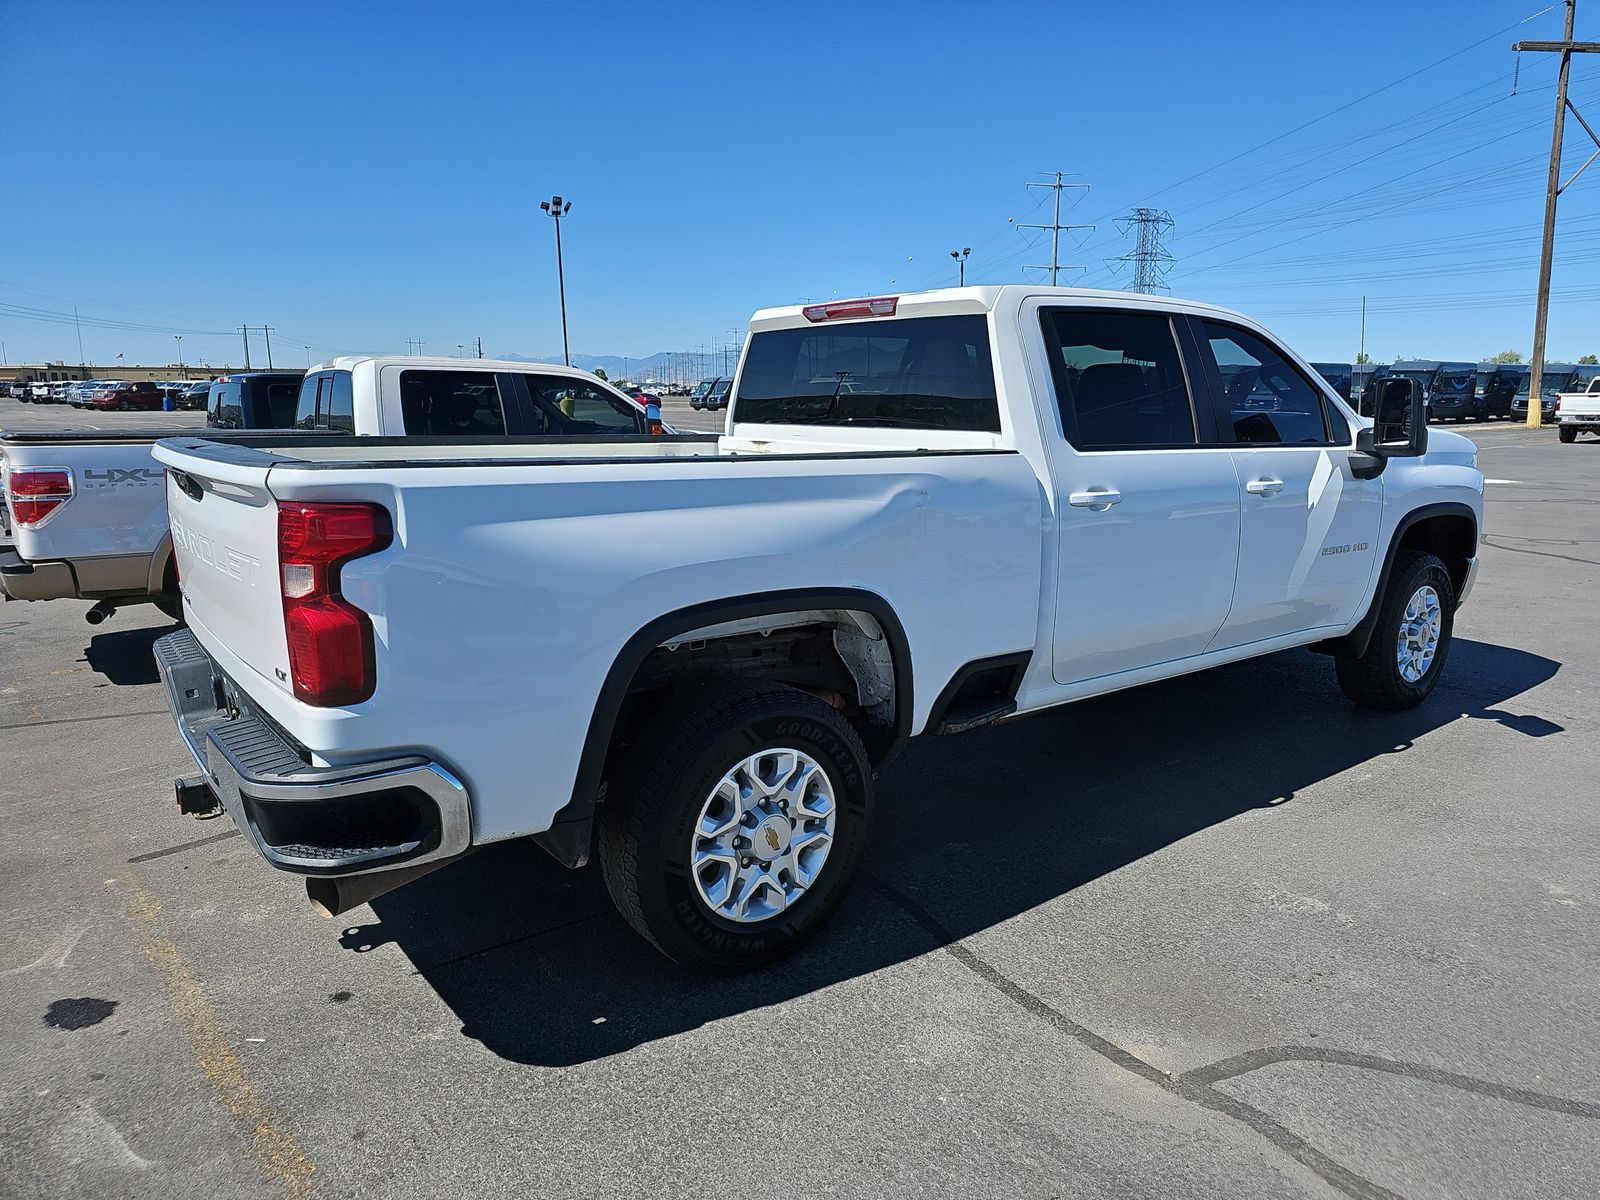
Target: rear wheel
1567	433
1411	640
737	828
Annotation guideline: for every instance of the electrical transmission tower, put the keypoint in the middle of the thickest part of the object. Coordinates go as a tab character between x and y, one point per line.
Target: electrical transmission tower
1055	227
1149	257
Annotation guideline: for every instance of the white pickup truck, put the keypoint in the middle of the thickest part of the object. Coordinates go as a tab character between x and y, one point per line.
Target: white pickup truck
927	512
1578	412
88	511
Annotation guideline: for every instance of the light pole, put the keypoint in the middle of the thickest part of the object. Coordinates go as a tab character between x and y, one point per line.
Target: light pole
459	347
558	209
179	338
961	260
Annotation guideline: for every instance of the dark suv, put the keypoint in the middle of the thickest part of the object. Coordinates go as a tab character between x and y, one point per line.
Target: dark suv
254	400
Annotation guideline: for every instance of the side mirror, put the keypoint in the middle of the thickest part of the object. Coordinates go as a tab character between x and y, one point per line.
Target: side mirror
1399	427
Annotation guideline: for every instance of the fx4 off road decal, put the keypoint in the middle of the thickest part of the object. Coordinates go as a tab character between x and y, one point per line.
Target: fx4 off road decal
122	477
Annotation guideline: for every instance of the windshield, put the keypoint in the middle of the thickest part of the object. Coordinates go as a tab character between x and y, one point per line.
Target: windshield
1556	381
1419	376
1454	381
925	372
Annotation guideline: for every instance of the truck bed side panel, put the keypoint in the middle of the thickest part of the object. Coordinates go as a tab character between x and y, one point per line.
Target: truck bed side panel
118	505
510	590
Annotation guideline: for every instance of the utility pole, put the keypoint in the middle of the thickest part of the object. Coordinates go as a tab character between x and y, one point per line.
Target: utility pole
244	332
178	337
1148	257
1361	354
480	347
1566	47
80	334
266	331
1055	227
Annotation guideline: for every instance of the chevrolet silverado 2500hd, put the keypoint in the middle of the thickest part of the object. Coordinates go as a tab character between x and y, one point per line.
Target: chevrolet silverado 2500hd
926	513
95	525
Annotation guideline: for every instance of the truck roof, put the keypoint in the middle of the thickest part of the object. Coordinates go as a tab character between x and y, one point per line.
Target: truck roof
346	362
985	298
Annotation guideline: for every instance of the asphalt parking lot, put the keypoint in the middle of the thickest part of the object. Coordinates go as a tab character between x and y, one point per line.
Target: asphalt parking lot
1222	936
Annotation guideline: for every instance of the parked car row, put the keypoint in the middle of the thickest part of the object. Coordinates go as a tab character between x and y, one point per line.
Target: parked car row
1461	391
116	394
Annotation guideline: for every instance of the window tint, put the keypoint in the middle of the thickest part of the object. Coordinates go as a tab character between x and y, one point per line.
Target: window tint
280	403
1269	401
1119	382
570	406
305	409
223	409
450	403
925	372
339	405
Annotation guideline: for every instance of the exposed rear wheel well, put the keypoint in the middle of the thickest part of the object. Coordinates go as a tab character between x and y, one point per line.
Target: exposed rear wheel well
841	656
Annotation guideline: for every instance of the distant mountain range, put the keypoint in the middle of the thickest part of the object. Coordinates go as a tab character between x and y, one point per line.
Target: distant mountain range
636	369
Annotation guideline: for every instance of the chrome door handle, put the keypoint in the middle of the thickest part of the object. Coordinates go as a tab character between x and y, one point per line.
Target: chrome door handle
1096	498
1264	487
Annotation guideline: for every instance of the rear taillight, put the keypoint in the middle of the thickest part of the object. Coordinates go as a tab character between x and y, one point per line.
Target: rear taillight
839	310
36	492
331	659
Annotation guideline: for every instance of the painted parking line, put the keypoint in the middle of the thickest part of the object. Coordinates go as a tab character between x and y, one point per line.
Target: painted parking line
1502	481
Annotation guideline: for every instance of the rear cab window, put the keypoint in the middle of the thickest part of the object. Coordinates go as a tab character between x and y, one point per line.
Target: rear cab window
915	372
326	402
224	409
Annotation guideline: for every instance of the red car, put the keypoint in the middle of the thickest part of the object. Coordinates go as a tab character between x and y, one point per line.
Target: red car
143	395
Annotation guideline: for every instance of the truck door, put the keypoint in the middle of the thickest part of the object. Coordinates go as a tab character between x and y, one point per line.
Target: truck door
1147	504
1308	526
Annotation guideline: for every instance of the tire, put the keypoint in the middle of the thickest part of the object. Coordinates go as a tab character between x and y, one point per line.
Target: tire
653	808
1567	433
123	406
1375	679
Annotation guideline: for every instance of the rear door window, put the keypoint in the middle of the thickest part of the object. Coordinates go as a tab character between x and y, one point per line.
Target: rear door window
451	404
1119	380
920	372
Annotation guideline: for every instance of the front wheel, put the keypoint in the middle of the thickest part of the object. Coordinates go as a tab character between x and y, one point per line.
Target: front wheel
1411	640
734	831
1567	433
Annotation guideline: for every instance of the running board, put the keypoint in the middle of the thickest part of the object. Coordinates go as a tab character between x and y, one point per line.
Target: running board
971	716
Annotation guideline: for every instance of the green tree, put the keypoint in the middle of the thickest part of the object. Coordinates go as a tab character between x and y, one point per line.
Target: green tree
1363	359
1589	360
600	373
1506	356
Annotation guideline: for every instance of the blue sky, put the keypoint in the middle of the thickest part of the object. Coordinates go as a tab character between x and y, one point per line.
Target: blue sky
359	174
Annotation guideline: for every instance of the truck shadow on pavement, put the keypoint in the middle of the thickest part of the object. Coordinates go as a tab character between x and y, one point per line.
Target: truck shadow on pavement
969	831
125	656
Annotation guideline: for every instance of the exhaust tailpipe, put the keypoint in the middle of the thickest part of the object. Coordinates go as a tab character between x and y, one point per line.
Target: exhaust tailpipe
332	896
99	612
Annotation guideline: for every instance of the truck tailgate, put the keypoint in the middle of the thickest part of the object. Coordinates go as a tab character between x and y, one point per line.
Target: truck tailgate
225	538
